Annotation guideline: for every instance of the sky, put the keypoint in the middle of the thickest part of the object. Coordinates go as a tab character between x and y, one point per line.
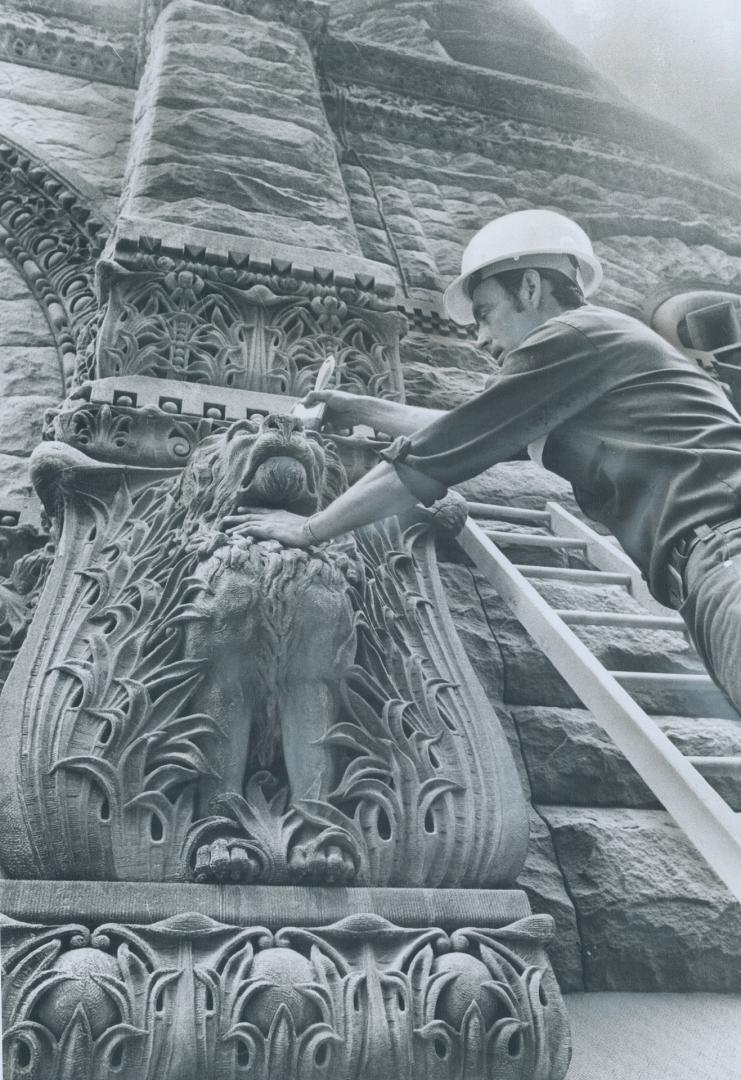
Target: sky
680	59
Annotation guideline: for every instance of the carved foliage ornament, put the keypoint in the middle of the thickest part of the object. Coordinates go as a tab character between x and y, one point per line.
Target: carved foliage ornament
121	719
245	331
191	998
49	232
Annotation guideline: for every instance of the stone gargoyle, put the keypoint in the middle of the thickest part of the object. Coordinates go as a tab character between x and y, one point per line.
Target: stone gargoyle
190	704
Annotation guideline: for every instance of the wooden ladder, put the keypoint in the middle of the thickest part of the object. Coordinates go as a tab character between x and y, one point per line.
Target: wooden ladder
679	782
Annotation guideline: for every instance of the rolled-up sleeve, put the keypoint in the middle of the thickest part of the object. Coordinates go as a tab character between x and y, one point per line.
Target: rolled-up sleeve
551	377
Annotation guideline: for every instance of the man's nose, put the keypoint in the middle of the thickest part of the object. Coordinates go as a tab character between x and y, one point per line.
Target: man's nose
483	337
283	425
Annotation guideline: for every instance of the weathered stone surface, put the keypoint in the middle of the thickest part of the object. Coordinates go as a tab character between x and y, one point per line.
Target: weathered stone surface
15	483
529	677
543	882
441	388
652	915
572	761
519	483
33	370
442	352
230	133
400	23
77	124
21	421
22	323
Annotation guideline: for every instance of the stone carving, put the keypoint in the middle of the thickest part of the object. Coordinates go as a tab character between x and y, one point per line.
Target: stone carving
419	786
139	436
53	235
243	330
360	999
25	558
58	44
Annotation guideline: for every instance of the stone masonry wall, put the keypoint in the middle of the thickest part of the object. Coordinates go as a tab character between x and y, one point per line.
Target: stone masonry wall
75	123
30	381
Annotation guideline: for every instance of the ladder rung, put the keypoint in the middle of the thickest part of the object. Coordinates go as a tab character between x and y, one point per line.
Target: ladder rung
573	617
535	540
493	512
663	680
709	765
707	819
578	577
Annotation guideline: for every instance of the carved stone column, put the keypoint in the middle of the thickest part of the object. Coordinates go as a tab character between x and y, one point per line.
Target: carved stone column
260	819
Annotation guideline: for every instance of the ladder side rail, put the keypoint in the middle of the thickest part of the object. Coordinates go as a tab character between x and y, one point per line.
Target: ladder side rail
706	819
602	554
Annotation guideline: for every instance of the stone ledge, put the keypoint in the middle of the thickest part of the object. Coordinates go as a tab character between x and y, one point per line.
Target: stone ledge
271	906
224	249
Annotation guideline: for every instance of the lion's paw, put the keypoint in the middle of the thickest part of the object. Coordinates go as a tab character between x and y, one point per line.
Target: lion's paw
226	861
323	864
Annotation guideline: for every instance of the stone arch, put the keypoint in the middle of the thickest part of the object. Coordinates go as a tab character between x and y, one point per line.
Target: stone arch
52	229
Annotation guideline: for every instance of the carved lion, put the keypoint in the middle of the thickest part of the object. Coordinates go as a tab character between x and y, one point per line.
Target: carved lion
274	625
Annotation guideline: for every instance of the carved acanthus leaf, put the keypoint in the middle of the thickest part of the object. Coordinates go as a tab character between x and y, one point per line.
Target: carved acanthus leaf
190	997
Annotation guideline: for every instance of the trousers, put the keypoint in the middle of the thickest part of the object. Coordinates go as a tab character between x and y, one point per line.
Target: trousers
711	607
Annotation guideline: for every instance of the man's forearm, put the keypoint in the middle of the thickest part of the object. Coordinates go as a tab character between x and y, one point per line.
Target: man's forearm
392	418
379	494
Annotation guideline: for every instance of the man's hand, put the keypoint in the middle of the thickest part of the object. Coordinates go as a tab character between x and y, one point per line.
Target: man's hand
288	529
343	410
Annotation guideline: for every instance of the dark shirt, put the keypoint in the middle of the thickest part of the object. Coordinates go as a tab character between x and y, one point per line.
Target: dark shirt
649	441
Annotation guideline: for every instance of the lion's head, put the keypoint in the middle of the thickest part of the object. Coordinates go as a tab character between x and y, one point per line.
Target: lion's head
271	463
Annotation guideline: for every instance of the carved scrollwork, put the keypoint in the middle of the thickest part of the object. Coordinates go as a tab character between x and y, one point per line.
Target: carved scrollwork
190	998
52	233
138	436
231	328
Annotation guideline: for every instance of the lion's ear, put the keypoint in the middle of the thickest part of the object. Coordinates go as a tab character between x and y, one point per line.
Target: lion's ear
198	474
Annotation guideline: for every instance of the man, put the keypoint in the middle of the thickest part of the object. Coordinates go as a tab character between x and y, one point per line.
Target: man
649	442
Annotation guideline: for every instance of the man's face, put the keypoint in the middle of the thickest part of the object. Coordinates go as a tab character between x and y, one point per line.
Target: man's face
502	320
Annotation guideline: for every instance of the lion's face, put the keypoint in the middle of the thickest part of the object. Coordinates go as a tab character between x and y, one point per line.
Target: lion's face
272	463
284	466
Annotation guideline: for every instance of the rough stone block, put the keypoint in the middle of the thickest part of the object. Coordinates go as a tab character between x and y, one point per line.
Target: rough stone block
80	125
30	370
22	323
15	483
652	915
250	152
518	483
21	421
572	760
440	388
544	884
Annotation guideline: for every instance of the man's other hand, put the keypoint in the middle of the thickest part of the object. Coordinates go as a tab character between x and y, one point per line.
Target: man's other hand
263	524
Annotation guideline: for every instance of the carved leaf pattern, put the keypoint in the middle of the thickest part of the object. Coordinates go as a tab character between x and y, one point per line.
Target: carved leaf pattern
139	772
359	998
182	325
422	765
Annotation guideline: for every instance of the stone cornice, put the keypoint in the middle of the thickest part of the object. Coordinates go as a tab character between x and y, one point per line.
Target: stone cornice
354	107
63	46
345	60
137	237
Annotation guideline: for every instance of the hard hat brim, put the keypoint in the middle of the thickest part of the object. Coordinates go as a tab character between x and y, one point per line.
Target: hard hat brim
457	299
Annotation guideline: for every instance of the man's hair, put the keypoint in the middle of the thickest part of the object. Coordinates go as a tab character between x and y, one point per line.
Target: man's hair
565	292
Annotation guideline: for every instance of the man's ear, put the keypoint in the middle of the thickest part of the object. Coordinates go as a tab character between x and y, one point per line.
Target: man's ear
531	289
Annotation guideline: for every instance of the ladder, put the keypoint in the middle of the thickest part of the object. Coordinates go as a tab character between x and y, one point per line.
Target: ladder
678	781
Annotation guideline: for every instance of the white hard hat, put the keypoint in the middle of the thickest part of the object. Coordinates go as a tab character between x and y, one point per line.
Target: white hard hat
526	239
